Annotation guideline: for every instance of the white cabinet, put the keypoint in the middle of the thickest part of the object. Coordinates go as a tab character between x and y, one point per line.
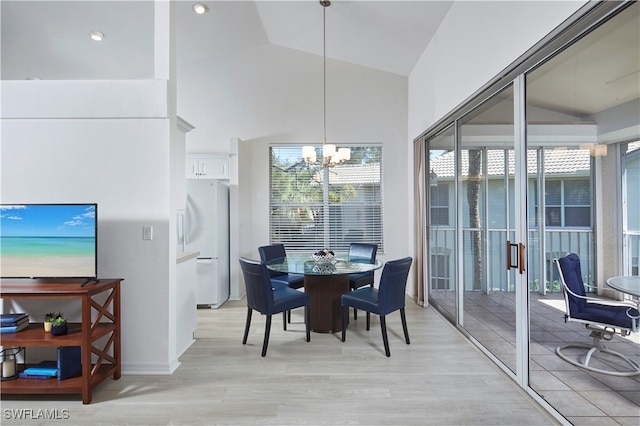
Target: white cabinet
206	166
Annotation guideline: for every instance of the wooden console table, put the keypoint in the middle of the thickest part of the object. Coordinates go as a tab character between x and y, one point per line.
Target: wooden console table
100	319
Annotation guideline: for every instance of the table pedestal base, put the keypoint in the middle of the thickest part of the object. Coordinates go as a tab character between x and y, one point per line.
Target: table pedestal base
325	310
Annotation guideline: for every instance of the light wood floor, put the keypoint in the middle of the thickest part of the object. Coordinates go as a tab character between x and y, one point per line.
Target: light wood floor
440	379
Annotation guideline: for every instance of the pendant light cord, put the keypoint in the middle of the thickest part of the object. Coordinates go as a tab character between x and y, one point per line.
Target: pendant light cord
324	70
335	156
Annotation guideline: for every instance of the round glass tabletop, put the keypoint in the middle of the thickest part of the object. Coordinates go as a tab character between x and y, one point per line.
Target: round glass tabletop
629	284
308	265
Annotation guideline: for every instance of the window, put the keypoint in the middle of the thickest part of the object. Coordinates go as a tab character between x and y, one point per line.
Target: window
440	268
313	207
439	202
568	202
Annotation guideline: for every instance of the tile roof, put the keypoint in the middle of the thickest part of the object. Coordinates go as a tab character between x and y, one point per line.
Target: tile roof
351	173
556	161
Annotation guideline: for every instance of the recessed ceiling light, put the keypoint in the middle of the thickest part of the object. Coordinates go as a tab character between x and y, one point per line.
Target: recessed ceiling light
200	8
96	35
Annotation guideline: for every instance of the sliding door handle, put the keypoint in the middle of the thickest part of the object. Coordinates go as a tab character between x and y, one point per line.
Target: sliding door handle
512	255
515	256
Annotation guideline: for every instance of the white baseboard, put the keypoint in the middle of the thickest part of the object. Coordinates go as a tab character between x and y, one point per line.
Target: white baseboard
148	369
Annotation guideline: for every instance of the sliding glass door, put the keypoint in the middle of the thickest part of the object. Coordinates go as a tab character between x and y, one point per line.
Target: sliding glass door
486	210
472	219
582	127
441	219
545	165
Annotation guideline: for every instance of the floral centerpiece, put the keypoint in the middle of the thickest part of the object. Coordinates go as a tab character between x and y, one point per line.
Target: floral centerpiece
324	255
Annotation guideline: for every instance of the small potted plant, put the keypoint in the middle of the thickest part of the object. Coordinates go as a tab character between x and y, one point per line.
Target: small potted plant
59	326
48	319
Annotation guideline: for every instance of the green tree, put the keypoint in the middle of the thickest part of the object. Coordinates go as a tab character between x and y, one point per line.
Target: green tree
473	200
297	189
365	155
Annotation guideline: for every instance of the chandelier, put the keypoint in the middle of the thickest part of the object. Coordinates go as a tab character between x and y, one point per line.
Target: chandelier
330	154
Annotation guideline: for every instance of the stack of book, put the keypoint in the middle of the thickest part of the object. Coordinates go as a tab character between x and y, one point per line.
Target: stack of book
12	323
68	364
42	370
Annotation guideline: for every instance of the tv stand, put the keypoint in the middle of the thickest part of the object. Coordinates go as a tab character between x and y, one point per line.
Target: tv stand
98	333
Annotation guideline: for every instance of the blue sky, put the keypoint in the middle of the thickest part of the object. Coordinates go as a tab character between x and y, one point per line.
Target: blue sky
47	220
288	155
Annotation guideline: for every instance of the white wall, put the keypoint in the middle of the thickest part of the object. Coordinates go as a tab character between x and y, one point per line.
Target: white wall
121	163
476	41
273	95
114	143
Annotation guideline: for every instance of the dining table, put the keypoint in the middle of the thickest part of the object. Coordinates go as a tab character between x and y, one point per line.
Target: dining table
628	284
325	281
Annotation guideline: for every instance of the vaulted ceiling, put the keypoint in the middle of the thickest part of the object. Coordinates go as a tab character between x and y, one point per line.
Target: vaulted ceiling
50	39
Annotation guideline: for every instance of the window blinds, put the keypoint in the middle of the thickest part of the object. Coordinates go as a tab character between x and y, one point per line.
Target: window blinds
313	207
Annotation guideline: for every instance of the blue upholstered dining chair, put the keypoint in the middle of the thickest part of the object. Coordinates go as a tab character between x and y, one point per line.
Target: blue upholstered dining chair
388	298
264	298
279	279
363	253
604	318
277	251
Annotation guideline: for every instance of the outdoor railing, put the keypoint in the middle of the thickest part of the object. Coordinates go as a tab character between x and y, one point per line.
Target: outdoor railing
558	242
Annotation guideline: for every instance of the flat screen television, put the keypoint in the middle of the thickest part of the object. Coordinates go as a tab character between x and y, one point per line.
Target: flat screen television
48	240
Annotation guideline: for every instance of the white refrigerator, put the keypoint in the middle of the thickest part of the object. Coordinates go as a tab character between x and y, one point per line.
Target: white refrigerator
207	231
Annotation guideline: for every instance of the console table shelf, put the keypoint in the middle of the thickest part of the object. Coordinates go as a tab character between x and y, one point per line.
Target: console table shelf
100	325
52	386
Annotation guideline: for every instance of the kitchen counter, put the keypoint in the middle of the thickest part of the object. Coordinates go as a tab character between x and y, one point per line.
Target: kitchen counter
185	296
186	255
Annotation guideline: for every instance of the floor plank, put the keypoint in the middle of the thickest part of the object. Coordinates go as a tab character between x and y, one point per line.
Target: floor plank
439	379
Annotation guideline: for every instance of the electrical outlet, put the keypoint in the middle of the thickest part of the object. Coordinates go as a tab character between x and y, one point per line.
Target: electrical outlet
147	232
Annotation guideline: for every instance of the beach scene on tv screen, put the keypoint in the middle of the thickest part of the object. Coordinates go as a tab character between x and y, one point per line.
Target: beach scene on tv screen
48	240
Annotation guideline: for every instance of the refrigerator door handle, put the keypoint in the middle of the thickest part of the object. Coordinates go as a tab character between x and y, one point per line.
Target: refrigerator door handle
187	222
204	260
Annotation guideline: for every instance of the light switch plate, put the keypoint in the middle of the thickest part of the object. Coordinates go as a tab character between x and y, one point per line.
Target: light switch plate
147	232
